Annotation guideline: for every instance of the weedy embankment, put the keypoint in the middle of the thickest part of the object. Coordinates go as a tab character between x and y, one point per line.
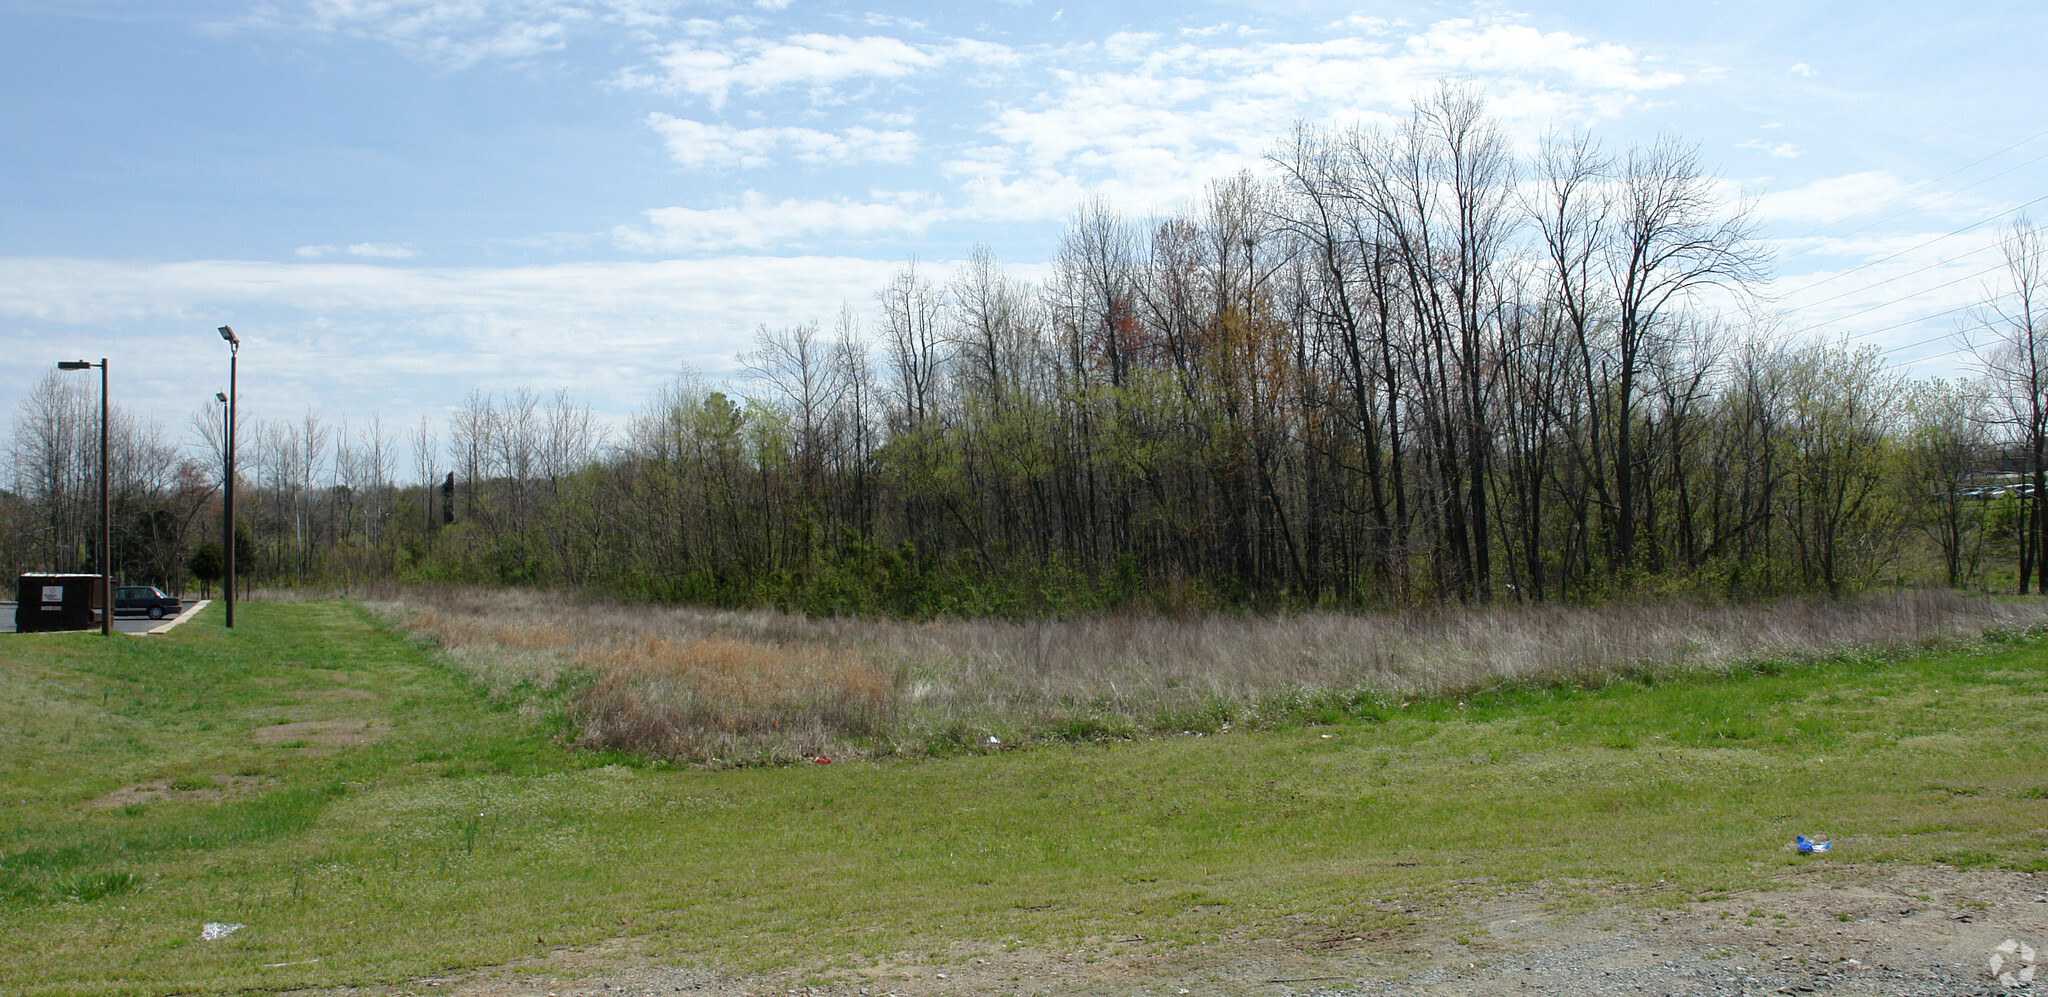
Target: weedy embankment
724	687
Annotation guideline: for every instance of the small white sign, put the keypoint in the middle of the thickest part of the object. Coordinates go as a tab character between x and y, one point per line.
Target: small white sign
53	593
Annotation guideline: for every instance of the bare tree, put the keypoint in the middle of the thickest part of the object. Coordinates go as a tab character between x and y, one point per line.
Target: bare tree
1672	238
1439	189
857	417
994	331
470	431
796	363
1092	303
915	343
1348	292
377	460
52	455
1094	291
2008	334
515	448
1570	200
914	346
570	440
424	451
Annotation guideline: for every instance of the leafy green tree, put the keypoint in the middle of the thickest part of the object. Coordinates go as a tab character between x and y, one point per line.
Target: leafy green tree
1947	446
1844	522
206	565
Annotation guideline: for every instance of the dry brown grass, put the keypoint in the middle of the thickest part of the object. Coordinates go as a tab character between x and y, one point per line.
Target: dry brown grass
711	699
722	687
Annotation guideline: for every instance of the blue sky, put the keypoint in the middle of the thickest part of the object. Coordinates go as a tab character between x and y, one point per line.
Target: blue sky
397	201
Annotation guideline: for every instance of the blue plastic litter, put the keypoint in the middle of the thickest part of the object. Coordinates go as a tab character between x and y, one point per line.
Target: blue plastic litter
1809	846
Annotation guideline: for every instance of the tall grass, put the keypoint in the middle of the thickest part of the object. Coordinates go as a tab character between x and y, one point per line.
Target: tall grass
727	687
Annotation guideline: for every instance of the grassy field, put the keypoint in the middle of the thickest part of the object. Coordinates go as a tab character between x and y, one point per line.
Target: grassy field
372	813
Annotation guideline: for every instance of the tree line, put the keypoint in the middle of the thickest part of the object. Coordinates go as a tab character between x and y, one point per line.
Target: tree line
1401	366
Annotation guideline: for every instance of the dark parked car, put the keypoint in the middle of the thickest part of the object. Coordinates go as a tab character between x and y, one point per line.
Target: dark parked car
145	599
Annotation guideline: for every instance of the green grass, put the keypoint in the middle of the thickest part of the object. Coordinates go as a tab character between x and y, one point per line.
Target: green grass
466	836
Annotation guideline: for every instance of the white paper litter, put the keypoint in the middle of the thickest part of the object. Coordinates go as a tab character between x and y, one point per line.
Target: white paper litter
214	931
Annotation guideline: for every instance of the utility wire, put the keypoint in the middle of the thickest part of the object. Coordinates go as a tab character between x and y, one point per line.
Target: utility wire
1908	211
1909	296
1924	342
1916	188
1914	249
1911	273
1937	356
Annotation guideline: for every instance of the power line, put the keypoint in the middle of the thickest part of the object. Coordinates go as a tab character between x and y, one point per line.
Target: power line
1910	296
1958	351
1914	249
1908	211
1911	273
1916	188
1924	342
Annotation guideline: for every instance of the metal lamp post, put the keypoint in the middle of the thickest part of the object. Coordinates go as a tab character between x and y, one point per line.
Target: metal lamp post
227	529
106	544
234	350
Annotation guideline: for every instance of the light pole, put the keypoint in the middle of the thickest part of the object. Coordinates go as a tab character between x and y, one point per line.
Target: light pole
106	545
227	529
234	350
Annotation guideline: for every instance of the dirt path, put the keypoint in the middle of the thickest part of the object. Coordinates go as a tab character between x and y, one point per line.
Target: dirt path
1879	930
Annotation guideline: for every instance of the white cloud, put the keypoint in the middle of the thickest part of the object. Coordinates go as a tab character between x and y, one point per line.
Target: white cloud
464	32
1830	199
1150	115
700	146
358	338
1780	150
1045	196
382	250
1802	69
1129	44
1158	119
813	61
374	250
1365	24
1462	46
759	223
75	292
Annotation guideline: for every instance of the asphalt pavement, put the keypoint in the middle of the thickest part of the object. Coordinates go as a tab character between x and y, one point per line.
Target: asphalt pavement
135	625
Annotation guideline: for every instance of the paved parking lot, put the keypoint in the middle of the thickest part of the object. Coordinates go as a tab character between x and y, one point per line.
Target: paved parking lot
138	625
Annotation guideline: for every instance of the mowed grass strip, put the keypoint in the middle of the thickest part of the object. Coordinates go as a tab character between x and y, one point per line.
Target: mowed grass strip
409	824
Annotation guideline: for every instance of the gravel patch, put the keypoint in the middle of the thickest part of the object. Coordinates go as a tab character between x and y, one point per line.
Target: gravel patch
1882	931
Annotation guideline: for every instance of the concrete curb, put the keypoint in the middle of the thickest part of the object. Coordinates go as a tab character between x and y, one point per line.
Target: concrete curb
165	627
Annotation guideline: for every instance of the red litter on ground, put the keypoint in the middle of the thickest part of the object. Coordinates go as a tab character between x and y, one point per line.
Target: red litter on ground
822	760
